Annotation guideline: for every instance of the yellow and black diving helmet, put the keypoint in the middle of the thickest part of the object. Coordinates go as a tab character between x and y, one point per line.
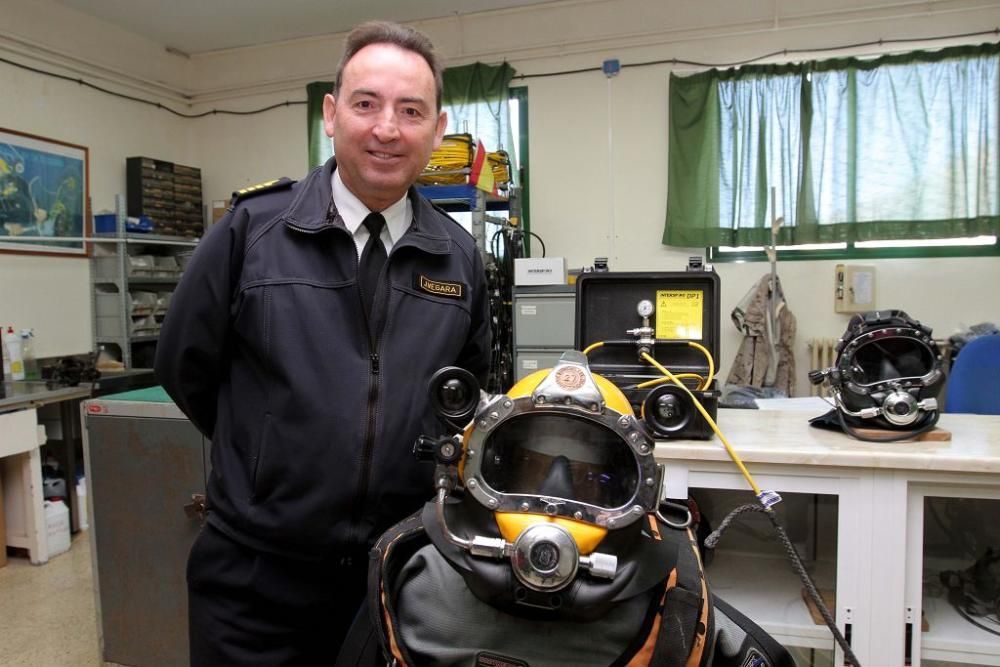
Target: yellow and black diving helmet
554	482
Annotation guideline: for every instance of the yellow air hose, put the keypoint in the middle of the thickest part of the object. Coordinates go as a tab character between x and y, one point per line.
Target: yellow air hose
711	422
706	382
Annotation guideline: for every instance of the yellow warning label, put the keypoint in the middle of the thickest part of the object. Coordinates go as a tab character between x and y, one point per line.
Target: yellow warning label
679	314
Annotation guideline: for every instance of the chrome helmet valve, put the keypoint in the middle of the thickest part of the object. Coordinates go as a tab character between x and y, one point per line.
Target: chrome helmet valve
489	547
600	565
900	408
545	557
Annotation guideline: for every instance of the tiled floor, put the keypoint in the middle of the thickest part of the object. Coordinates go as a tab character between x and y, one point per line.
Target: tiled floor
47	616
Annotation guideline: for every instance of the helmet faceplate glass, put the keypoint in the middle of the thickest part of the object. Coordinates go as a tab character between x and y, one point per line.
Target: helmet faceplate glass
561	457
888	358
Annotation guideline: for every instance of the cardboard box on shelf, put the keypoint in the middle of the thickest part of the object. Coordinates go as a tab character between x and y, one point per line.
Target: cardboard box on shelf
219	207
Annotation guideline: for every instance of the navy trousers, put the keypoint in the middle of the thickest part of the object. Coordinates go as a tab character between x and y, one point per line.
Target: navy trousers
247	607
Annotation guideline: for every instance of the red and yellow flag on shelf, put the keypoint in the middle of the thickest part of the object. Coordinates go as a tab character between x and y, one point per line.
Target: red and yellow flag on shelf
482	172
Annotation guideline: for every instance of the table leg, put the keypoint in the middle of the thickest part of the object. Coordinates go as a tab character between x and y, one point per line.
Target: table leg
3	524
69	415
24	499
38	535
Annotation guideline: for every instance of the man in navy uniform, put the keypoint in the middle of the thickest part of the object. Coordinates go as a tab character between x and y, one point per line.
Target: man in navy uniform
300	341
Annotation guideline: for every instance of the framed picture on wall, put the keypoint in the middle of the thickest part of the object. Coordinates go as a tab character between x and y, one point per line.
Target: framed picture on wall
44	195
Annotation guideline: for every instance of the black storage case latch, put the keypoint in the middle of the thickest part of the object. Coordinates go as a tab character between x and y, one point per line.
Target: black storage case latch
685	308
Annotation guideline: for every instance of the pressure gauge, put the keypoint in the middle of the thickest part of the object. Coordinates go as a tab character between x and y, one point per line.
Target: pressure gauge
644	308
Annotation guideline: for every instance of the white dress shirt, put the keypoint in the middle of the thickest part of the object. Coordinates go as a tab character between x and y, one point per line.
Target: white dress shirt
353	212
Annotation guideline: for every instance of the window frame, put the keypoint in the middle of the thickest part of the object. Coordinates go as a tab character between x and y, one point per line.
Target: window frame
853	253
520	93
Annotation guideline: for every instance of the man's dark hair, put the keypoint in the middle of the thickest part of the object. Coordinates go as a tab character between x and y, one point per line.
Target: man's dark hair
385	32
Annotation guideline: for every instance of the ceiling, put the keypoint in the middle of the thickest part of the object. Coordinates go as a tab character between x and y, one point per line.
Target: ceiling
198	26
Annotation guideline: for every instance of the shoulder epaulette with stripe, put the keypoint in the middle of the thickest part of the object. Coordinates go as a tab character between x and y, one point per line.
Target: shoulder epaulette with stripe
259	189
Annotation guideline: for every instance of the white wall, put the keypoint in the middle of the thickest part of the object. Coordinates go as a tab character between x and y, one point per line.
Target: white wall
237	151
598	146
52	294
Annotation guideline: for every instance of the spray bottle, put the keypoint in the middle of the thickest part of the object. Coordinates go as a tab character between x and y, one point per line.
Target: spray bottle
13	343
6	357
31	371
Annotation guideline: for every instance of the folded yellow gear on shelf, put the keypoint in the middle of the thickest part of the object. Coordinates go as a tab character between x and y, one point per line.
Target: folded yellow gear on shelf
451	163
499	162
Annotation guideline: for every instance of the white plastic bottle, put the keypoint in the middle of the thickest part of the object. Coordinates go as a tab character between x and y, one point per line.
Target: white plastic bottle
81	504
14	351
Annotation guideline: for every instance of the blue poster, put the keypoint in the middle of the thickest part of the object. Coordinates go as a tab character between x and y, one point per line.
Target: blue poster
42	193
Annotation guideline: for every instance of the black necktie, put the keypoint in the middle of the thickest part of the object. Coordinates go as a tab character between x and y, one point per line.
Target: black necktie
372	260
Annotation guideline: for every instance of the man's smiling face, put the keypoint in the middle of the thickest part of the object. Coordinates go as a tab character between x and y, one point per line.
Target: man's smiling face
384	123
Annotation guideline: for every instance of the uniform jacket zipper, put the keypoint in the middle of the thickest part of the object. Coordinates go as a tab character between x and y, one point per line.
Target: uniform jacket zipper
368	448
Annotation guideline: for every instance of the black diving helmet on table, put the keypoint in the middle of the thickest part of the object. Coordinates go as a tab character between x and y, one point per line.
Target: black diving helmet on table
887	376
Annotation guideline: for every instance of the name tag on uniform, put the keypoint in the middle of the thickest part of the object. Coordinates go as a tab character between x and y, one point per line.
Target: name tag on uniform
439	287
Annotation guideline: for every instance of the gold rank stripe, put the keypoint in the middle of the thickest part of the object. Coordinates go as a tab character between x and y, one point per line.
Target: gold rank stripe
252	188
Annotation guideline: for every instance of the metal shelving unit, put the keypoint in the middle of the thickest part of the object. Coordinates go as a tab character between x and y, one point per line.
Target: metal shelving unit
469	198
123	278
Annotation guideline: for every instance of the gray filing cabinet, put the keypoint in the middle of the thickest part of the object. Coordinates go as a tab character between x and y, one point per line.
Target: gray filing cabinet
544	321
144	460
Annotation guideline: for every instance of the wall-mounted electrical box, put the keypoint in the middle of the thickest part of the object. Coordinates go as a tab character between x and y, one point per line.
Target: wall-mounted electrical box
854	288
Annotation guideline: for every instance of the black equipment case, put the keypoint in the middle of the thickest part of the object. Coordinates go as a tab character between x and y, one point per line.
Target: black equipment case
685	308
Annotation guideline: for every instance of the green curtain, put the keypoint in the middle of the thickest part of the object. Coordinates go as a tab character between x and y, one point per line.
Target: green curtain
475	97
901	146
320	148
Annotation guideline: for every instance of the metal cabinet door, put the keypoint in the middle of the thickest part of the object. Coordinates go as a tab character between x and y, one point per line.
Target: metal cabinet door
544	320
141	473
